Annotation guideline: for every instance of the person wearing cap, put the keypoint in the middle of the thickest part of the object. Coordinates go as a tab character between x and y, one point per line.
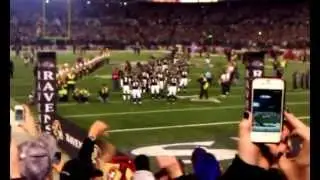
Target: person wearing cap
34	159
205	165
82	167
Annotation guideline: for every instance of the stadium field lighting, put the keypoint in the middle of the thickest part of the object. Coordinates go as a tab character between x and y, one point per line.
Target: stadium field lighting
125	3
259	33
47	1
88	2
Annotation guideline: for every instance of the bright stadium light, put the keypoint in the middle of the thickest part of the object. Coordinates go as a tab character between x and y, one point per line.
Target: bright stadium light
125	3
88	2
47	1
259	33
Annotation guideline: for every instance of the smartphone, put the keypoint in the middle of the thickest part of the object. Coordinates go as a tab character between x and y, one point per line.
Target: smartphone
19	114
267	106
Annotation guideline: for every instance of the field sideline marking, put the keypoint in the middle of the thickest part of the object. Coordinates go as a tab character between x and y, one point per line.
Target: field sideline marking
149	100
171	110
197	89
183	126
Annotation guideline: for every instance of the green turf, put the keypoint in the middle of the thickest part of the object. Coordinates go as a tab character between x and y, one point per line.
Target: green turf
121	115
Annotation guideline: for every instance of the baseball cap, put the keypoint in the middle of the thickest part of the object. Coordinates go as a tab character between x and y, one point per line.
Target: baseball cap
35	161
205	165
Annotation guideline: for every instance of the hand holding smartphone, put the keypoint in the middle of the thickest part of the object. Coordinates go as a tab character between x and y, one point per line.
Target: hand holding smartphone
267	106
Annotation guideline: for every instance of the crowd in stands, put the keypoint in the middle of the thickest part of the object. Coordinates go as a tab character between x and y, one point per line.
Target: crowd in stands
238	24
38	159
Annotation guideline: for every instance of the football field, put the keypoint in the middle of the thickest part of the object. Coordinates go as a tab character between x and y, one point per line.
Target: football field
156	127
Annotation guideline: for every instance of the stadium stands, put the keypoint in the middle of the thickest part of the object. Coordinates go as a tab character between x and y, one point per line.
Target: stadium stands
238	24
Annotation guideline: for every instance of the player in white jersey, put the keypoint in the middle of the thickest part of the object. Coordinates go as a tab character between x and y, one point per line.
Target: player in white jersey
136	92
165	65
172	89
161	80
125	85
225	83
184	81
155	89
145	77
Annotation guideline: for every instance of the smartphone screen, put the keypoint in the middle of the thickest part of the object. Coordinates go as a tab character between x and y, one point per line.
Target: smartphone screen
267	110
19	115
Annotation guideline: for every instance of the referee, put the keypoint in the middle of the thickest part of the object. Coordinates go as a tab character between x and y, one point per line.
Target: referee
204	86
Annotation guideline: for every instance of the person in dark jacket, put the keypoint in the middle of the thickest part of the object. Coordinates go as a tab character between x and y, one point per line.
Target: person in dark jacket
82	167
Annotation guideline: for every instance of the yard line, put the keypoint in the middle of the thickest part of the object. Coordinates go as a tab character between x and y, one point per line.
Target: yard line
171	110
183	126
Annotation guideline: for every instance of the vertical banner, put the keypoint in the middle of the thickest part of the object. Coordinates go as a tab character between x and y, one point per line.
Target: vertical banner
254	62
46	89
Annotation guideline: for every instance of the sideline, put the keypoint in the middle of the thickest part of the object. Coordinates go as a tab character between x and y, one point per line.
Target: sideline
170	110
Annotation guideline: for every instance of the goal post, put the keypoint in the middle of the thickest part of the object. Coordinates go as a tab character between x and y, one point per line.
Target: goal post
67	29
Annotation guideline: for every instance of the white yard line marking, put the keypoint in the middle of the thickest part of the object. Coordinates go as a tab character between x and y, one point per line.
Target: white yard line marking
171	110
183	126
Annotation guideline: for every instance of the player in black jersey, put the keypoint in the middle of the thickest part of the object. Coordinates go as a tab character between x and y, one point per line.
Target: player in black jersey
155	89
136	91
161	81
172	89
125	84
183	81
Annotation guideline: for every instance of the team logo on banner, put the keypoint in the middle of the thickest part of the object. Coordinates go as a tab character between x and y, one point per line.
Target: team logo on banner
47	64
46	89
57	130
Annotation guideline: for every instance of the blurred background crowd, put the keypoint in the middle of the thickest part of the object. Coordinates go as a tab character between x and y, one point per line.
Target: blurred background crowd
225	24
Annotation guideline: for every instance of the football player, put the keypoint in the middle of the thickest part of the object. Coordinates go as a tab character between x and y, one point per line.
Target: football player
172	89
136	91
155	89
125	85
161	80
145	77
184	80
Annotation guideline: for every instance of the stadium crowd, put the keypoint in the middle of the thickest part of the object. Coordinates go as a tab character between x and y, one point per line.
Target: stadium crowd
38	159
242	24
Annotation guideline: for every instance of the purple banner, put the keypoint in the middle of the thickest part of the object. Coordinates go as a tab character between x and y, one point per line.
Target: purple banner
69	135
46	89
254	69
